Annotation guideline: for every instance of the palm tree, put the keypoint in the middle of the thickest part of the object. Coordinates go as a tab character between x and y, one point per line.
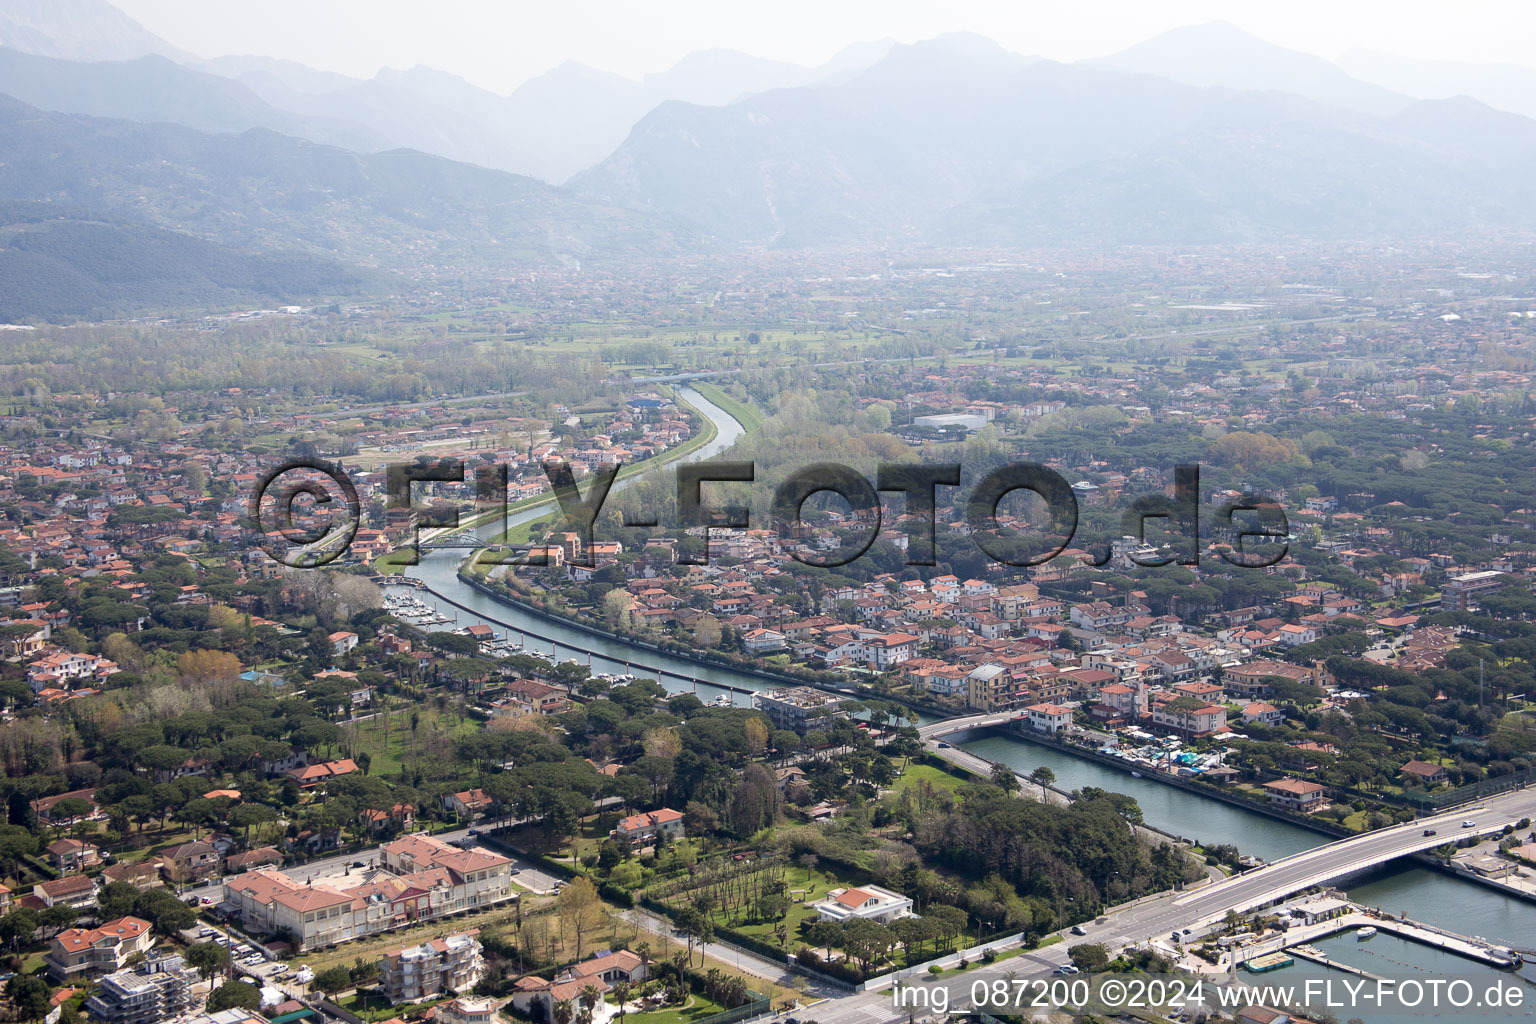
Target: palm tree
563	1011
621	993
644	952
590	997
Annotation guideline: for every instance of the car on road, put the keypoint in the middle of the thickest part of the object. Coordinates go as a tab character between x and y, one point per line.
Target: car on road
514	871
206	901
1429	832
1469	823
358	864
1078	929
474	831
943	746
1066	969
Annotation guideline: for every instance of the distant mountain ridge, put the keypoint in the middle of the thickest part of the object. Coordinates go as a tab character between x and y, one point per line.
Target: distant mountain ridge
1221	54
57	264
265	191
153	88
83	30
957	141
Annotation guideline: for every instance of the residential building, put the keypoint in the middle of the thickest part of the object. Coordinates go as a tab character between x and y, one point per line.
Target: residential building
310	776
533	991
190	862
1049	718
1190	716
647	826
1297	795
870	902
1423	772
78	891
1459	592
466	1010
159	990
1250	681
450	963
92	952
427	879
468	803
71	855
800	708
1262	713
612	968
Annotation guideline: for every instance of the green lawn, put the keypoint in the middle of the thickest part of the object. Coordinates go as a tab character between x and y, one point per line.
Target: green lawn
748	416
696	1008
935	777
806	886
389	750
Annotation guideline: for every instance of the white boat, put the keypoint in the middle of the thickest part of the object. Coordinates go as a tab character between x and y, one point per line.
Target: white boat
1364	933
1135	775
722	701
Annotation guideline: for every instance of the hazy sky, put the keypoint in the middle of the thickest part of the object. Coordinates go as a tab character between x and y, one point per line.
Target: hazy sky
499	43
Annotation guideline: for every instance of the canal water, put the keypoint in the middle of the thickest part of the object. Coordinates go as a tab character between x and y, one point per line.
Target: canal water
1401	960
1425	895
439	570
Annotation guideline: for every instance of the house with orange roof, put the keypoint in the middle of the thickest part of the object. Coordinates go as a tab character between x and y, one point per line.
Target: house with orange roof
869	902
92	952
647	826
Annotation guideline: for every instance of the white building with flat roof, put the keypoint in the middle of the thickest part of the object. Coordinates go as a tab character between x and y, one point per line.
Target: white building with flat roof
869	902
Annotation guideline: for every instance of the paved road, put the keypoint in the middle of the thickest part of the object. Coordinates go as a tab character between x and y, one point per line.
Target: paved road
749	963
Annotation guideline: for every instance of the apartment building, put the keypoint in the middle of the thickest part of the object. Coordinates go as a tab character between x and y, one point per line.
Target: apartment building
429	879
799	708
92	952
160	989
453	962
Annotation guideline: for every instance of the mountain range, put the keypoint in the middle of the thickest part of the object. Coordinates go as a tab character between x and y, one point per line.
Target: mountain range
57	264
1204	134
957	141
263	191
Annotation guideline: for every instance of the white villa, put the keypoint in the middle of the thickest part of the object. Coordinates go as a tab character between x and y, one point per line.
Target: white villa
868	901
